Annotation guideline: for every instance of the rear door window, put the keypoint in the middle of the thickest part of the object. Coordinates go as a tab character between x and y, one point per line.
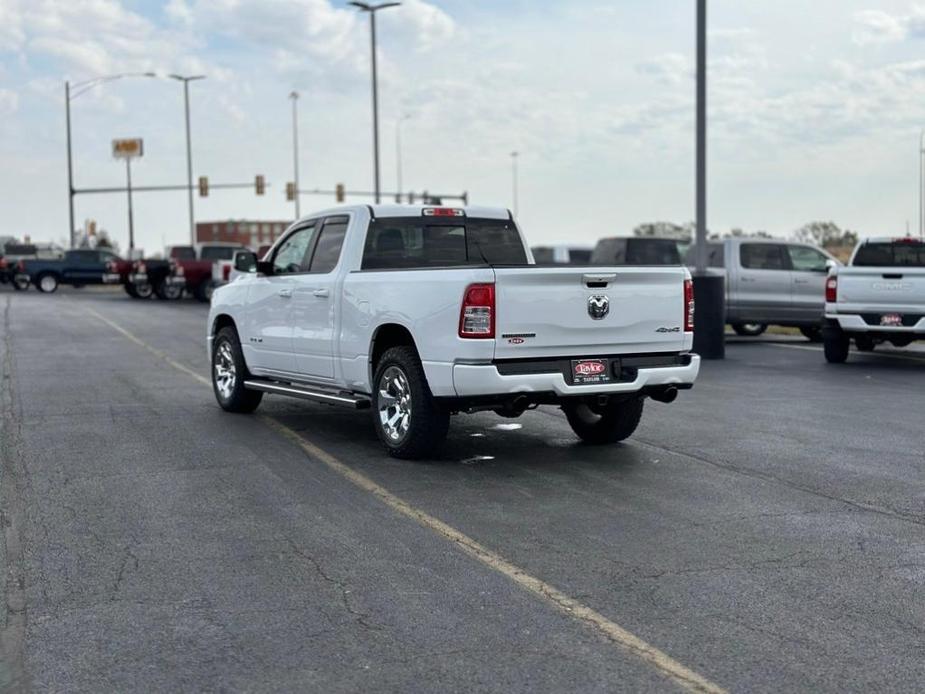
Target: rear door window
763	256
330	242
419	242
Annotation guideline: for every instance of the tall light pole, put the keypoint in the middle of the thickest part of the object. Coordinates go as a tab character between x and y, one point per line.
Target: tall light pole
922	184
189	148
708	288
398	186
294	95
514	156
371	10
71	92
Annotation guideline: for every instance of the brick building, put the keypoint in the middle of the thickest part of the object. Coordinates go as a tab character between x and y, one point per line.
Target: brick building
250	233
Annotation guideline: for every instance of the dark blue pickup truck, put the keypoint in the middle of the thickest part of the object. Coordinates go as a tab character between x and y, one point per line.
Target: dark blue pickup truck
77	268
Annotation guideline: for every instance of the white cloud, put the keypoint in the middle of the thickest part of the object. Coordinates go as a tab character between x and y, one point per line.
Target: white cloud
9	102
879	27
669	68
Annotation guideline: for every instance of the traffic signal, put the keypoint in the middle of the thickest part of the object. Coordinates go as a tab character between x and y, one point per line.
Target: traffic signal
203	186
290	191
339	192
259	184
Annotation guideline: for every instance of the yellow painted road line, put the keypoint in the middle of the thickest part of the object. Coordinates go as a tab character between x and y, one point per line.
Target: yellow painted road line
667	666
892	355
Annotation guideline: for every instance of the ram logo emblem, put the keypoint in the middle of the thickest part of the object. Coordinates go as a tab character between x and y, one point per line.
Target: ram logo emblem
598	306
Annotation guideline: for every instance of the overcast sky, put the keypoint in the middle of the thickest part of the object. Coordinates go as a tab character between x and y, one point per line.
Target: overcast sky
815	109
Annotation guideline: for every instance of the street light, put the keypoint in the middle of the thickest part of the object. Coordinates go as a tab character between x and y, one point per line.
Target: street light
189	148
372	9
922	184
398	123
514	156
294	95
79	88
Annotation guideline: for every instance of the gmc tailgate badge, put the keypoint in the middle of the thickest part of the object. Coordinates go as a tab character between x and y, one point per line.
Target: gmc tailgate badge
598	306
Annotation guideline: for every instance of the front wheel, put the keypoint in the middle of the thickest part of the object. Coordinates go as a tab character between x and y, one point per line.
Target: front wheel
229	372
407	418
600	424
749	329
835	344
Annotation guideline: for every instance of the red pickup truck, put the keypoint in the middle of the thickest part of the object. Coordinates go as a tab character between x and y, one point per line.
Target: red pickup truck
195	264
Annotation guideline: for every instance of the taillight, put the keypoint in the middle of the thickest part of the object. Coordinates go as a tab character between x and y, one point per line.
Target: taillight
477	315
831	289
688	306
226	272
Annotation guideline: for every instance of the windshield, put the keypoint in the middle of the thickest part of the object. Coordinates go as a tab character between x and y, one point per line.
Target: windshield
905	253
421	242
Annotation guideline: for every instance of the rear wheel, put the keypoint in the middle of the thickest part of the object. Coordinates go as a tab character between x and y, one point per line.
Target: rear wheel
21	283
835	344
229	373
749	329
47	283
168	291
407	418
203	291
610	423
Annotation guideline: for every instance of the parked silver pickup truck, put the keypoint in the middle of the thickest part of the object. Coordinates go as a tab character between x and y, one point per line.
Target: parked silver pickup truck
878	297
771	282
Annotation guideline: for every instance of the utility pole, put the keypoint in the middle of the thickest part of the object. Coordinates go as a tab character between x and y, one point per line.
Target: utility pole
70	168
922	184
189	148
398	180
131	222
371	10
294	95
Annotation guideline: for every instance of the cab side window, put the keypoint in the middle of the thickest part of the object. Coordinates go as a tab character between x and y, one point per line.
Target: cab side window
292	257
806	259
327	251
763	256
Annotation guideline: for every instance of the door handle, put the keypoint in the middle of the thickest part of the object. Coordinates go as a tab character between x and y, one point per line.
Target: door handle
801	281
285	293
748	279
321	293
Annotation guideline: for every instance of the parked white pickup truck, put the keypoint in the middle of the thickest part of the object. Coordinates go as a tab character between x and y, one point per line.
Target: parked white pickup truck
423	312
878	297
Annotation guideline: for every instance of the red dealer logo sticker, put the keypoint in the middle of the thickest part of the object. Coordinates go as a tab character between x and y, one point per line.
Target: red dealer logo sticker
589	368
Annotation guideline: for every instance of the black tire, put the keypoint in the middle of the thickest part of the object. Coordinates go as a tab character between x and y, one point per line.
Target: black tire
812	333
20	285
749	329
130	290
168	292
865	343
614	422
835	344
143	290
203	291
420	432
233	397
47	283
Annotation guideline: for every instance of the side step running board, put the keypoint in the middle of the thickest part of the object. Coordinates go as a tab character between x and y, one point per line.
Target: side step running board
306	393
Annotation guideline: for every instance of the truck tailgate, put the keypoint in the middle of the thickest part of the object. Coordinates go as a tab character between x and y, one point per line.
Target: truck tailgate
547	312
889	288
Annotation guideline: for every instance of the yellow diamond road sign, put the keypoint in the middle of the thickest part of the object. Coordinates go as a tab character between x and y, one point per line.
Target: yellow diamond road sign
128	148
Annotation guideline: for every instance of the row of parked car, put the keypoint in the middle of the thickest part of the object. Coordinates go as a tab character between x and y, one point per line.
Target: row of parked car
193	270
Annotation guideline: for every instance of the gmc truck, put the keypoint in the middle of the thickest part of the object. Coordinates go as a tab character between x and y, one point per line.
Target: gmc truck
418	313
878	297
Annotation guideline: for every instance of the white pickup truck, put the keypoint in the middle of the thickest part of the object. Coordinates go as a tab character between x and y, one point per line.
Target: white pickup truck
423	312
878	297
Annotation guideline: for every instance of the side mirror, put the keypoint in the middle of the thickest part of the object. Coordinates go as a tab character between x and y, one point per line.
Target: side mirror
245	261
830	264
264	267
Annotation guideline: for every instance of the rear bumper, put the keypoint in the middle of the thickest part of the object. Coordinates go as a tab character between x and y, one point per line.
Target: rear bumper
476	380
854	322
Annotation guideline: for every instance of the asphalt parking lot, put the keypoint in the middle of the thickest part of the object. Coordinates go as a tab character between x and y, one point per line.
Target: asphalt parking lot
766	532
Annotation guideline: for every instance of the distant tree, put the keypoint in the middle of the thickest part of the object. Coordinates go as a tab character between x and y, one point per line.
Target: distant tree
826	235
664	230
738	233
